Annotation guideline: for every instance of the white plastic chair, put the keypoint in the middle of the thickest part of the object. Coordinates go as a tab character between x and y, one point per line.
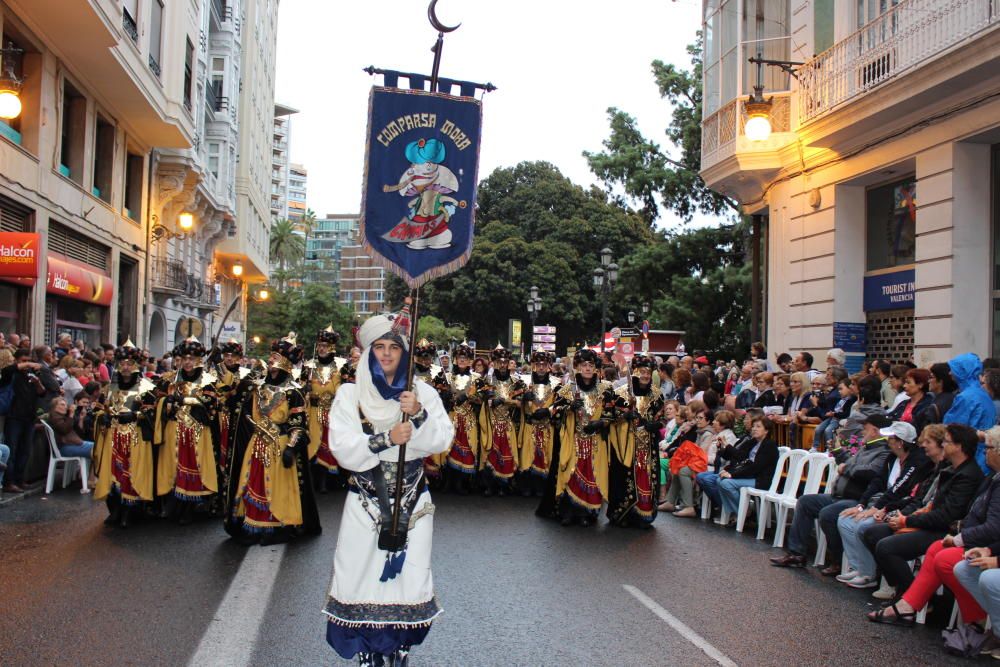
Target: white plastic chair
817	466
820	535
748	492
793	475
69	463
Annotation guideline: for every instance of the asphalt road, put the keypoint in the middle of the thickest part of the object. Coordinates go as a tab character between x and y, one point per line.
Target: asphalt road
516	590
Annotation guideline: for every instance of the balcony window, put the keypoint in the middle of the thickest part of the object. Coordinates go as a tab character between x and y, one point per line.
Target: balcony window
130	12
214	155
155	36
188	73
74	130
766	31
104	158
133	186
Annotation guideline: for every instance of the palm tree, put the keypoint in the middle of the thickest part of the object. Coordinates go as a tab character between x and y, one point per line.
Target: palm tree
287	247
308	221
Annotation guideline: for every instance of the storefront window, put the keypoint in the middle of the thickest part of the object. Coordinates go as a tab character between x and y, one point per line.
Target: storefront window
891	225
10	297
79	320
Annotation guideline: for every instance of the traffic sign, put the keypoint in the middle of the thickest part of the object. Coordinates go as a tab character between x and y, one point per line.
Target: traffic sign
616	333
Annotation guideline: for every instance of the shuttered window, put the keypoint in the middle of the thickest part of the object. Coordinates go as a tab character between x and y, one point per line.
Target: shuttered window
76	246
14	217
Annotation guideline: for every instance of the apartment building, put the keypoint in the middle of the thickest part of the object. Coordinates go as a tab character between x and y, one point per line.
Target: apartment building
281	136
325	245
362	282
874	182
102	85
298	185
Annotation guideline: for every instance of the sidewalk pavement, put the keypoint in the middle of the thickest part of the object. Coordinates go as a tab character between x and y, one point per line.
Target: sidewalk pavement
29	490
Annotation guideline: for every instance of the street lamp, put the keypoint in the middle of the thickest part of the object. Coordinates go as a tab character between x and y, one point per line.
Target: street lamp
534	306
10	83
605	277
645	309
631	317
185	221
263	295
237	269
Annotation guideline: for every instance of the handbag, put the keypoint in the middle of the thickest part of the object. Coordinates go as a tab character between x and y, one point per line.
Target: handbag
964	640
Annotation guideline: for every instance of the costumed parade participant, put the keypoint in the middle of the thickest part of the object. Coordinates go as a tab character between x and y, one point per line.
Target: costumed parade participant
582	474
381	603
186	463
270	496
322	379
426	370
498	420
123	456
538	426
634	455
232	384
463	457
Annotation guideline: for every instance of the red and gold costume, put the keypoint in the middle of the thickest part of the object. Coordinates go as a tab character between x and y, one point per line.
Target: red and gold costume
463	457
322	381
499	419
634	465
270	487
186	465
123	453
424	369
537	428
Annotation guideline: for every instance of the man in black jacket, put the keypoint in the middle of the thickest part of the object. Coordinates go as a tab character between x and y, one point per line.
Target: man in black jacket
19	428
855	475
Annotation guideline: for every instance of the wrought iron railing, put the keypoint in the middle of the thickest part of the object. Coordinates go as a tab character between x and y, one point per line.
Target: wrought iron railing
897	41
170	275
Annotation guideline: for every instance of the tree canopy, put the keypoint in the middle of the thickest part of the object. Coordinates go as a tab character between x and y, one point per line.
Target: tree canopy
305	312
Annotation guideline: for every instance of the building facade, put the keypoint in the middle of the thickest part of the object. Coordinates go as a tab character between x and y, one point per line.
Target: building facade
362	282
325	245
298	182
281	135
103	86
874	196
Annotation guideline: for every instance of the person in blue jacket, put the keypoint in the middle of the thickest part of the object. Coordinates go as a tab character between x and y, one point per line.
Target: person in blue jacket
972	405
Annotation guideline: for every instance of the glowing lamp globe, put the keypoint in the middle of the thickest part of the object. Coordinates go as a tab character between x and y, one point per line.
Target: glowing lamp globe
263	295
10	104
186	221
758	128
237	269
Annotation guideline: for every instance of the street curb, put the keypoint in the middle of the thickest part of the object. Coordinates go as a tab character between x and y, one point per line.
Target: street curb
11	497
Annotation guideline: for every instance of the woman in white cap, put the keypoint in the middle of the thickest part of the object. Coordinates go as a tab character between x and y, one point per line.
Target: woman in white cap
382	602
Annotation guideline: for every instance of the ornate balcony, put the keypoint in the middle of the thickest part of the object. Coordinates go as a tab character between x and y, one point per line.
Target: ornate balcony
900	40
169	276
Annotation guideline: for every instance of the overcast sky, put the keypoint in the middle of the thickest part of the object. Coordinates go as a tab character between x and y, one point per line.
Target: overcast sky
558	65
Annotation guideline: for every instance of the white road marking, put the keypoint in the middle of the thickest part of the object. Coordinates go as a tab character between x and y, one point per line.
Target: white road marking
680	627
231	636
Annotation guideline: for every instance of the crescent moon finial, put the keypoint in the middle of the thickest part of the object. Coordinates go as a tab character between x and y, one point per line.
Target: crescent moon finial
432	17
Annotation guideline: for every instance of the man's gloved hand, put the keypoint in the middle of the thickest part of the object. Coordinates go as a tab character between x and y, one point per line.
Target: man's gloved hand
288	457
199	414
461	399
529	396
593	427
576	404
496	402
540	414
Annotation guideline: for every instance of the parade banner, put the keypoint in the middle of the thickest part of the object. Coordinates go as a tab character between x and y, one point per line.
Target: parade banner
421	170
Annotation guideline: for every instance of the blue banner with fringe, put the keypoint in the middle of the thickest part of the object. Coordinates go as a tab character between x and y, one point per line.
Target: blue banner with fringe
421	170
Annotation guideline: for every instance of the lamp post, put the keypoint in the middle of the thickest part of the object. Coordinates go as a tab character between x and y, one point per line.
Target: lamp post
645	309
605	277
534	306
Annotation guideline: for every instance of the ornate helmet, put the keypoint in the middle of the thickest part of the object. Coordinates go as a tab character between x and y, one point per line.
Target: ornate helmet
541	357
288	350
642	361
328	335
232	346
500	353
424	348
191	346
584	355
127	351
463	350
